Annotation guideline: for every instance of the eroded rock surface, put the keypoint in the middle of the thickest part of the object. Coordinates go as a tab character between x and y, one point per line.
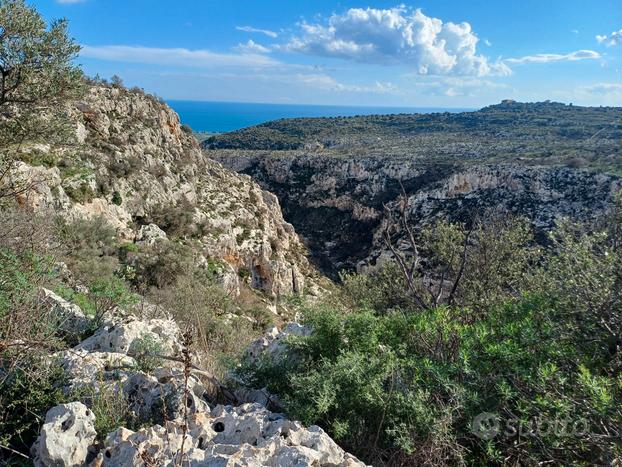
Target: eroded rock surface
66	436
136	167
336	202
110	362
248	435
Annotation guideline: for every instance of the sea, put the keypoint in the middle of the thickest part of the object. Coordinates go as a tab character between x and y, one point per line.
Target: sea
220	117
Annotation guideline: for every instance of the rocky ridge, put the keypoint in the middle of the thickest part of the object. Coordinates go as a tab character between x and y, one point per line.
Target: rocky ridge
132	163
336	202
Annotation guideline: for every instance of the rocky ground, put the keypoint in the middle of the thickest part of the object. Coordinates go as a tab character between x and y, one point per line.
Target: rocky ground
177	422
131	163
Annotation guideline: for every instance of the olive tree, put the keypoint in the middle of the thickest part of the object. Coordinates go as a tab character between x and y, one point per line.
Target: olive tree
37	77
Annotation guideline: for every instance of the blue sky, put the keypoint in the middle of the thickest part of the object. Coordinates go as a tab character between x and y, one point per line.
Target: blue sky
425	53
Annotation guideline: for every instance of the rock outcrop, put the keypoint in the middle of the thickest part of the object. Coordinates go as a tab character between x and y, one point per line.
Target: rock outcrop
272	343
183	427
336	202
248	435
70	318
133	164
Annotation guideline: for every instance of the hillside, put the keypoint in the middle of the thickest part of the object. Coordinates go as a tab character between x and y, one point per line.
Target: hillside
130	162
542	133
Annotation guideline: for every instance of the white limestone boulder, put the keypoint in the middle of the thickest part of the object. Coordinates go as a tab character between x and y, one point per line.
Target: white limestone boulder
65	437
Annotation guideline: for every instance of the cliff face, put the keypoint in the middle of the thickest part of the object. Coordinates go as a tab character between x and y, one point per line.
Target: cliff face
336	202
133	164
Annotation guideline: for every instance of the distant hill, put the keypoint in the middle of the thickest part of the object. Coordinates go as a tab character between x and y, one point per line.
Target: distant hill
578	136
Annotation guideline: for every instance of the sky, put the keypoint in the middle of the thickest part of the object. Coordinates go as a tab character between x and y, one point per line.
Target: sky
425	53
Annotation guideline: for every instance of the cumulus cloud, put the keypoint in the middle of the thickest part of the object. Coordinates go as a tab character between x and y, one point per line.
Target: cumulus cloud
252	47
266	32
547	58
177	56
397	36
615	38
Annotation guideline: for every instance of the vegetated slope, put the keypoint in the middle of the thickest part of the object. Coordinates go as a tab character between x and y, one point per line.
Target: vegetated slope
522	157
543	132
132	164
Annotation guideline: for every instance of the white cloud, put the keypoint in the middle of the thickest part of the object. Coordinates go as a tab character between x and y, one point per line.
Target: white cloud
547	58
252	47
615	38
328	83
454	86
266	32
397	36
574	31
177	57
603	88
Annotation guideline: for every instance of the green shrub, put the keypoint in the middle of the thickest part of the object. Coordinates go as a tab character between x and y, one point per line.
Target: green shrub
109	293
146	350
413	383
25	397
161	264
533	337
116	198
89	247
83	193
177	220
109	405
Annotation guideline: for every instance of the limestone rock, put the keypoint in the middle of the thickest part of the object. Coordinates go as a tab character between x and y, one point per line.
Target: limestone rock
336	201
70	317
272	344
248	435
84	368
126	336
149	234
66	436
161	397
147	164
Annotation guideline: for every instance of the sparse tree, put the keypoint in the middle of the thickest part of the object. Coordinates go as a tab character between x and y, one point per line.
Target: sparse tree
116	81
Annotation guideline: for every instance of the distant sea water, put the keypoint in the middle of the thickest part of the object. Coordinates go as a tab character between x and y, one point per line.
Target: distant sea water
218	117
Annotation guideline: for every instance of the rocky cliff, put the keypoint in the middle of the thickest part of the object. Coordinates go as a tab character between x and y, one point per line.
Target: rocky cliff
336	202
132	163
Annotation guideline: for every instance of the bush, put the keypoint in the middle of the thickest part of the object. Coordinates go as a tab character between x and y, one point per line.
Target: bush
109	293
25	397
116	198
177	220
533	337
146	350
412	384
83	193
89	247
161	264
204	307
110	407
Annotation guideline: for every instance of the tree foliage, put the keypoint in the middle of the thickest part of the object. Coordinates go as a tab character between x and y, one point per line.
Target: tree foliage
37	78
